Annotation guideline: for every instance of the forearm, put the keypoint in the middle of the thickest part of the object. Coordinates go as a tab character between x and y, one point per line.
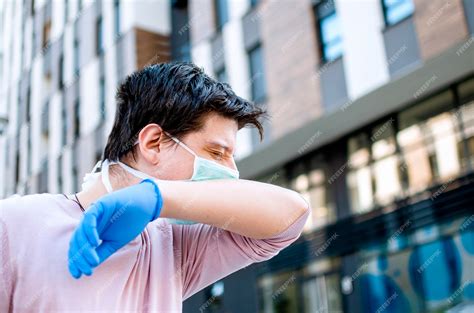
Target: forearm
249	208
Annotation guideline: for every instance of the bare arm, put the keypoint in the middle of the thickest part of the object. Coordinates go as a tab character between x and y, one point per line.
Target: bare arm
249	208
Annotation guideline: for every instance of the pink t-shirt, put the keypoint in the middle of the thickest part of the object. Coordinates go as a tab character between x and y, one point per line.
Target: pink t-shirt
155	272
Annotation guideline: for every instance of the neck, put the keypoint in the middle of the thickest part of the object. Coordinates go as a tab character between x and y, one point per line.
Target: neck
118	179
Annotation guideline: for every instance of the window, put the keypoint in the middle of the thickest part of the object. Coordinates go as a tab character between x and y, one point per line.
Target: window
309	179
99	31
28	105
102	98
257	78
221	75
64	123
22	52
430	141
374	167
46	34
465	115
33	42
359	177
45	121
216	293
329	30
66	11
61	72
76	56
322	294
43	178
75	176
221	13
254	2
59	167
396	10
77	119
28	152
17	168
274	298
180	42
117	17
428	144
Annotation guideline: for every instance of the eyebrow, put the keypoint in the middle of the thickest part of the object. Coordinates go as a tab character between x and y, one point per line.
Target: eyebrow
220	145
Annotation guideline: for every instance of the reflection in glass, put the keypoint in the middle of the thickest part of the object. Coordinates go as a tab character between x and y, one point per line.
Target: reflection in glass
431	142
312	186
416	157
322	294
278	293
466	114
359	178
386	164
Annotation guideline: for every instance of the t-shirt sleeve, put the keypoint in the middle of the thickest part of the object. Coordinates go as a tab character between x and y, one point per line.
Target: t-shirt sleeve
207	253
5	265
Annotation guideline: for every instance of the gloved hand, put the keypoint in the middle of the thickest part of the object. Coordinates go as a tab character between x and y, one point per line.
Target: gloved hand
110	223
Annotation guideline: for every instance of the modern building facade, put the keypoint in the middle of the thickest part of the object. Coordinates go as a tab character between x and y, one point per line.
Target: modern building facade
372	113
60	64
372	120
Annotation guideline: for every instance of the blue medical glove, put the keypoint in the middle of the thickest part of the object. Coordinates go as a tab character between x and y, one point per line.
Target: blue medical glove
110	223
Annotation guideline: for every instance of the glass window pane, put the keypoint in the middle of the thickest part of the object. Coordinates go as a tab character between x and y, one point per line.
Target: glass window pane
278	293
333	50
430	141
387	181
397	10
322	294
360	188
467	117
445	145
330	28
331	37
416	165
312	185
386	165
257	74
222	15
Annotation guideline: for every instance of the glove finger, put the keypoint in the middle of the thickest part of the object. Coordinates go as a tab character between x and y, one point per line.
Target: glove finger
85	248
76	258
72	254
90	229
73	270
105	250
82	265
101	211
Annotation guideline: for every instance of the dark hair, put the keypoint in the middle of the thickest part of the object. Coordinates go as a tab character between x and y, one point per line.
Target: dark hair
177	96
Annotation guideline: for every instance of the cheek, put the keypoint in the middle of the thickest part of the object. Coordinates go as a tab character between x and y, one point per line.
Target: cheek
177	166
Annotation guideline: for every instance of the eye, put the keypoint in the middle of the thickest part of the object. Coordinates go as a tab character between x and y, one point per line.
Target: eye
217	155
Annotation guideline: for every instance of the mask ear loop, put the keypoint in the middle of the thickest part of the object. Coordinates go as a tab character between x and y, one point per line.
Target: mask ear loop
179	142
196	157
105	175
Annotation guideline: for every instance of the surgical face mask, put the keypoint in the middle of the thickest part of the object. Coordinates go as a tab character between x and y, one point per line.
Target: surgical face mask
203	169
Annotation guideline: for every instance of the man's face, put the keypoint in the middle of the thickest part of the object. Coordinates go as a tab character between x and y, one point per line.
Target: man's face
215	141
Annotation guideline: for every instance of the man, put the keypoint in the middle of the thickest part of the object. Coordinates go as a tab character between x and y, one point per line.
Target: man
137	246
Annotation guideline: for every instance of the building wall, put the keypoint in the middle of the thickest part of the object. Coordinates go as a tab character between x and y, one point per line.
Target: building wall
291	63
439	25
201	20
363	41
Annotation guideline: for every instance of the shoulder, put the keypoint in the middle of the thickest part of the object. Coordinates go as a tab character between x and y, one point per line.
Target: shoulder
22	211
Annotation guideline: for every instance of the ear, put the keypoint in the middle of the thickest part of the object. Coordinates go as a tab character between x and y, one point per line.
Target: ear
150	139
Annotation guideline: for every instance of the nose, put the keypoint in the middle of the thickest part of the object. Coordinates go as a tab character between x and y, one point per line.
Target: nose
233	165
